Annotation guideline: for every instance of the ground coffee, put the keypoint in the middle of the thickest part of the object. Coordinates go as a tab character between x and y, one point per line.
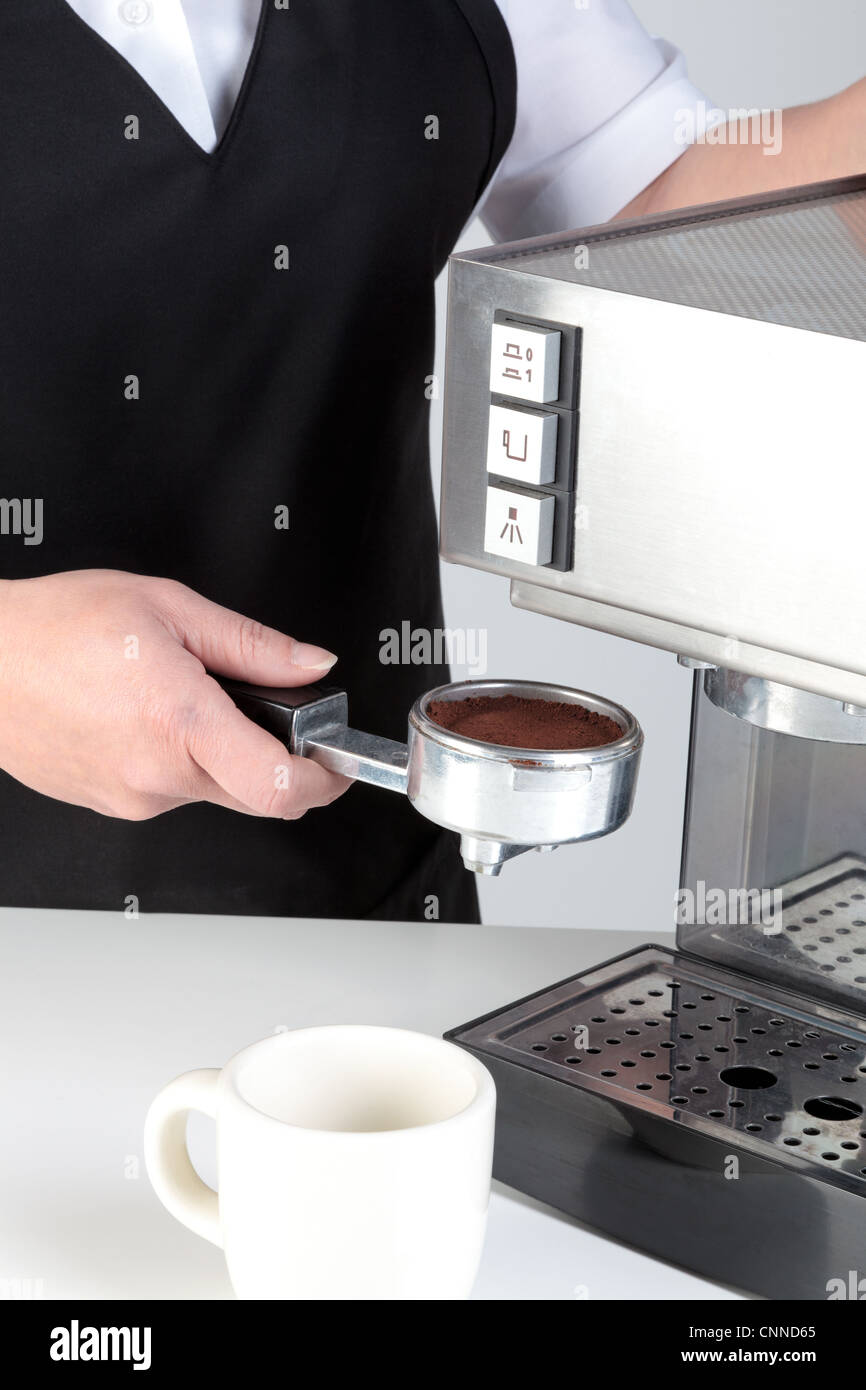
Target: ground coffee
515	721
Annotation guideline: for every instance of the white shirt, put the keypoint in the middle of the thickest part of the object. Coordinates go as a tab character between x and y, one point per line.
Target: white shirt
597	104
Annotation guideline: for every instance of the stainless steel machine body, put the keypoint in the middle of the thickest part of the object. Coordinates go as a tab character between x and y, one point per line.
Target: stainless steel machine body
655	429
722	354
776	819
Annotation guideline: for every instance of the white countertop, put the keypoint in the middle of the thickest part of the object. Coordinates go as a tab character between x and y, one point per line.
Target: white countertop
97	1012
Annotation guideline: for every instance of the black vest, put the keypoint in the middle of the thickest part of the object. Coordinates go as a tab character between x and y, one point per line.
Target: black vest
259	388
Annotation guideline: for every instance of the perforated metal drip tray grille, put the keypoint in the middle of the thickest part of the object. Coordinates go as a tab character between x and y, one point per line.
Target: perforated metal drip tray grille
697	1045
820	945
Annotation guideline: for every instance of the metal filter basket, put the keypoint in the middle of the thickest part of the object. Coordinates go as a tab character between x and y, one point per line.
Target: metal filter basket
504	800
501	801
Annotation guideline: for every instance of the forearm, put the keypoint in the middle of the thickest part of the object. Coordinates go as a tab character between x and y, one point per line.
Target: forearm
822	141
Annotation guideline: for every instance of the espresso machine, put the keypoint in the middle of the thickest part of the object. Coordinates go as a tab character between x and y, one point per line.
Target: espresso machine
655	428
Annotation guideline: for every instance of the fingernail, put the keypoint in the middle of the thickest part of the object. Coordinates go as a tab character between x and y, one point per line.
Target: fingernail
312	658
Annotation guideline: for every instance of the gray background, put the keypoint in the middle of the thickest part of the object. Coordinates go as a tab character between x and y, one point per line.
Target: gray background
764	53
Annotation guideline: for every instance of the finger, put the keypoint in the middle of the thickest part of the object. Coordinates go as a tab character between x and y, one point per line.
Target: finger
209	790
254	768
187	786
232	645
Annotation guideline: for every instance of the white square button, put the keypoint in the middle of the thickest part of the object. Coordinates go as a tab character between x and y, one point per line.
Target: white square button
518	526
521	444
524	361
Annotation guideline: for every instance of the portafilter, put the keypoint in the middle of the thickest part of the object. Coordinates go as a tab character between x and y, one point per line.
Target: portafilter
501	801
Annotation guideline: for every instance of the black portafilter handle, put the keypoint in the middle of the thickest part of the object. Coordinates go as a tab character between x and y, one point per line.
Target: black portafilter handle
289	712
312	721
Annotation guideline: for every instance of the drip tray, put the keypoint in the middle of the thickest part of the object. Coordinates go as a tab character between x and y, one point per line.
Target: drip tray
821	945
647	1074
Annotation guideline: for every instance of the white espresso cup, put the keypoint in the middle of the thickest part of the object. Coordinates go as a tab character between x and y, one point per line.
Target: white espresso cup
352	1163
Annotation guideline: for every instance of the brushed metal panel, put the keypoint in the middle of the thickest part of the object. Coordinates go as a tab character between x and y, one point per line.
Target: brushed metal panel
801	263
702	646
720	467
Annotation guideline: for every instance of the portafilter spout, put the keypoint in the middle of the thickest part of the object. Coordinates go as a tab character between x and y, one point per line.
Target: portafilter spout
501	801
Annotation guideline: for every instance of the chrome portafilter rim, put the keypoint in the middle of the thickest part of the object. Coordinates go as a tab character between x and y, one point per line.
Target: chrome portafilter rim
423	723
503	801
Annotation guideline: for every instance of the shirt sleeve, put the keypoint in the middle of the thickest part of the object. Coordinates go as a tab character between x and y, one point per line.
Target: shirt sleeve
600	114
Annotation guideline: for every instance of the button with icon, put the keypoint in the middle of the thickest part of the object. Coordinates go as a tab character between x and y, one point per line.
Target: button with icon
519	525
521	444
524	361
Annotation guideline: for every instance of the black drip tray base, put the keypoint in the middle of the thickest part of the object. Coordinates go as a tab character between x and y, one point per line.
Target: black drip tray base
691	1111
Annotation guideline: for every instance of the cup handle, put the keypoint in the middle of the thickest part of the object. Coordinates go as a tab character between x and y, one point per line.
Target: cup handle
175	1181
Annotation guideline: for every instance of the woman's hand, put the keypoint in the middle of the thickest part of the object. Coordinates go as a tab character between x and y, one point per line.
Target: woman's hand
105	701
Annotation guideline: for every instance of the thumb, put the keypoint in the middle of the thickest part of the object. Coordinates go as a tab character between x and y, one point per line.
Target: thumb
231	645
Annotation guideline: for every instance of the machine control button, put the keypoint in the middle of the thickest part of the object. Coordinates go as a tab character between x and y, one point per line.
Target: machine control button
521	444
524	362
519	526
